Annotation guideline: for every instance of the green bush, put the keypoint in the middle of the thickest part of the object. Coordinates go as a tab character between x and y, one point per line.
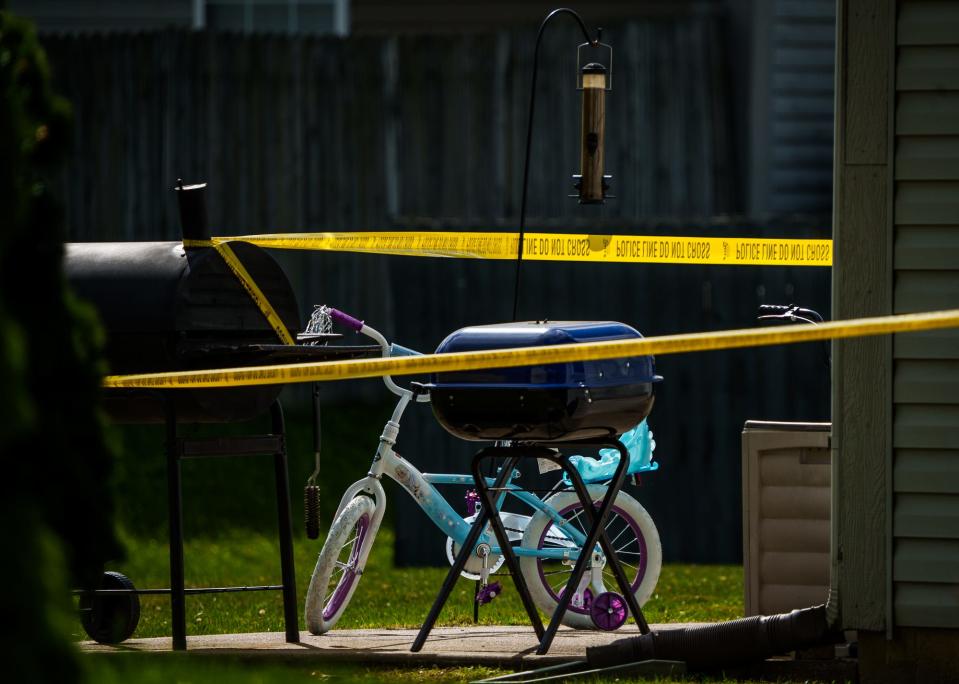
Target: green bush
55	495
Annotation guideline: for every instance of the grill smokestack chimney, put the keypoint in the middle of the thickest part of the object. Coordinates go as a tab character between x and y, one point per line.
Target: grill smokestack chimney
192	201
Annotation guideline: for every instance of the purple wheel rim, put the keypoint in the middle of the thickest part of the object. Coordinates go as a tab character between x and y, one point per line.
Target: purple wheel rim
608	611
638	535
349	577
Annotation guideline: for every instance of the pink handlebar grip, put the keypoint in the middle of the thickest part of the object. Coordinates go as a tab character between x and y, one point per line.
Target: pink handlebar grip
345	319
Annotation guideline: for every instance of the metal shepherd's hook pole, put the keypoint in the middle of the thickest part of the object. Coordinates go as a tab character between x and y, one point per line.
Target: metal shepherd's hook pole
529	138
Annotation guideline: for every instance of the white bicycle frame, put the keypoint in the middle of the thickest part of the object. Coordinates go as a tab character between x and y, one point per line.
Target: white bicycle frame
421	487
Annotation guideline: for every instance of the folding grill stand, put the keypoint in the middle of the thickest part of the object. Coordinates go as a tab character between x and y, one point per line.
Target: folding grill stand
181	448
512	455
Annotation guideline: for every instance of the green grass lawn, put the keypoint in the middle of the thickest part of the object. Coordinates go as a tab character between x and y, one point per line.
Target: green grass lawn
387	596
218	555
184	669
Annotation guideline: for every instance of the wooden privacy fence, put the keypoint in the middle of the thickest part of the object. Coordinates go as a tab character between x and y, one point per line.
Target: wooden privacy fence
299	133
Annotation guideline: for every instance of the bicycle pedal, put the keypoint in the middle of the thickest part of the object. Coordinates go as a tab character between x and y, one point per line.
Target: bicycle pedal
488	592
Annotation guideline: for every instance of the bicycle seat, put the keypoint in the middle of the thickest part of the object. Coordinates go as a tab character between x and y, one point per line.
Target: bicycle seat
639	443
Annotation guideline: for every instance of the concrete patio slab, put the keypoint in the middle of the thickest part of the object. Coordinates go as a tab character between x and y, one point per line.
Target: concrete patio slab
512	647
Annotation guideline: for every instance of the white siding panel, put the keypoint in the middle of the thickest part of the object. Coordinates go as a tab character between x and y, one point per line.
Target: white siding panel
926	291
933	203
927	22
928	113
927	470
926	516
926	605
932	426
928	68
925	381
930	157
925	560
934	248
935	344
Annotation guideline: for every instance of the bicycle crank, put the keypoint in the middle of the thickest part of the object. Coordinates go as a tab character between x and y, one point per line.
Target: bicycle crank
474	564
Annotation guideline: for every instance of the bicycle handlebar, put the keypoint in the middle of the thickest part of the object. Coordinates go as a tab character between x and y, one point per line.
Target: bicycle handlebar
388	350
790	312
346	320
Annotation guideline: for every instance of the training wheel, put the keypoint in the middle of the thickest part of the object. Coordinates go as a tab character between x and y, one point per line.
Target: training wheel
608	611
110	618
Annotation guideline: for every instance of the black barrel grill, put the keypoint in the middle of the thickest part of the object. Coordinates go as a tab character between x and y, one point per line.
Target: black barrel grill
169	306
166	307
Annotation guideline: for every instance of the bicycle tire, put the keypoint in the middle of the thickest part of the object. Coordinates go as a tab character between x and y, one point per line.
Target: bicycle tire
641	554
330	591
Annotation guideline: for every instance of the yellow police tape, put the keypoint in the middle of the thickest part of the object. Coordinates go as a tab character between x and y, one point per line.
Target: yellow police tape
500	358
644	249
252	289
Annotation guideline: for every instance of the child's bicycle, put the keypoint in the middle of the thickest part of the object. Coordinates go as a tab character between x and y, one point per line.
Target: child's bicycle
549	540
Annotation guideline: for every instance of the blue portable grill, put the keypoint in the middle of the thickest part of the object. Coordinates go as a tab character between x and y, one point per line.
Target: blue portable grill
539	411
546	402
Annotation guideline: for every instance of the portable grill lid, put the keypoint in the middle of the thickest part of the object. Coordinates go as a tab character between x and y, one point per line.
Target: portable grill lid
601	373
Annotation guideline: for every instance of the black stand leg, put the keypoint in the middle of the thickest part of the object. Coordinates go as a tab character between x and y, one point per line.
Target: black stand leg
597	534
489	504
284	518
578	569
598	521
175	516
458	565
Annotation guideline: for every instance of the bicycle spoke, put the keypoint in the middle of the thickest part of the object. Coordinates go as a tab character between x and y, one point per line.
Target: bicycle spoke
629	553
629	565
612	542
575	521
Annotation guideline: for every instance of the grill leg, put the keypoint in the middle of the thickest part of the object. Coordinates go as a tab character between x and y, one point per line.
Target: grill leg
284	518
600	521
458	564
597	532
175	516
502	538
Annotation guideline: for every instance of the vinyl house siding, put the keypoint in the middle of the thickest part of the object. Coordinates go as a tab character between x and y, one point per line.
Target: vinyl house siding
55	16
925	524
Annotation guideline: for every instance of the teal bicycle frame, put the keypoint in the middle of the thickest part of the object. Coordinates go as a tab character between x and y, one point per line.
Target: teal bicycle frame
421	487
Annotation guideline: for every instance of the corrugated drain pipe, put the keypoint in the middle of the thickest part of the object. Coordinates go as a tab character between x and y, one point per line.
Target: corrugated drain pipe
728	644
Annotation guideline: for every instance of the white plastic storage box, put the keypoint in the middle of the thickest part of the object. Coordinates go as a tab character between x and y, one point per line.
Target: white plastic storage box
786	510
